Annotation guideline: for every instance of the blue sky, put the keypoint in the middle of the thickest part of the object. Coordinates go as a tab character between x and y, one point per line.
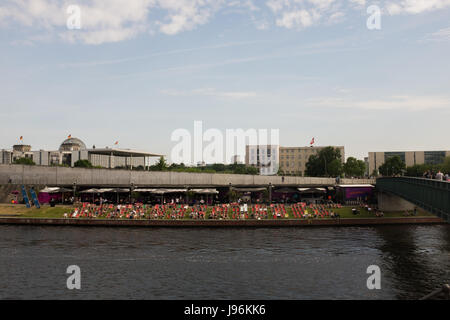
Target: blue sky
138	70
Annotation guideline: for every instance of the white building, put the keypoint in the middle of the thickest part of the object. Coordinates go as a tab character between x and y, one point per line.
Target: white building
73	149
263	157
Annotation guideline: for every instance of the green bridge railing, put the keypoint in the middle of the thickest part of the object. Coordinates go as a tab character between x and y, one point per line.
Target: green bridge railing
431	195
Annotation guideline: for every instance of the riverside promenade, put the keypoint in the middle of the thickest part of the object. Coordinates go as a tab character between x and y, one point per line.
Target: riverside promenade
253	223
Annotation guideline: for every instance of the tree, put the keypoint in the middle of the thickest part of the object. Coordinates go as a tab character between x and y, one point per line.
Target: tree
83	164
161	165
417	170
446	165
354	167
392	167
375	173
25	161
327	163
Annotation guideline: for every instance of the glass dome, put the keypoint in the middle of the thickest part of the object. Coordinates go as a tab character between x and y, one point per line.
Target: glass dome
72	144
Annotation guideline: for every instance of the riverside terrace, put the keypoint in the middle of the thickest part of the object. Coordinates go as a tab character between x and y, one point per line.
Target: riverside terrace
103	178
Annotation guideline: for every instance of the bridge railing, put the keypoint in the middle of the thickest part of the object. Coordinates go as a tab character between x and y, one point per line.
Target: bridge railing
431	195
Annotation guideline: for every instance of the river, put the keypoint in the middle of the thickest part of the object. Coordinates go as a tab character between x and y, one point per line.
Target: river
207	263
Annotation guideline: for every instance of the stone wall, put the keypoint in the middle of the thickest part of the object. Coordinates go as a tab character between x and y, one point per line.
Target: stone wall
63	176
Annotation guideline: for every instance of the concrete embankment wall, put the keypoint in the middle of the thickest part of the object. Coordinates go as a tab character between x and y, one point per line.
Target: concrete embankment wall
221	223
389	202
62	176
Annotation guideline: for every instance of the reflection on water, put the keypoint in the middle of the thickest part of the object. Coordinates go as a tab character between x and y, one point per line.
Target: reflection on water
284	263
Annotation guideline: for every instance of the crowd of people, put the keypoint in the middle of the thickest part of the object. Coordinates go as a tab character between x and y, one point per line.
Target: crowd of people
429	174
235	211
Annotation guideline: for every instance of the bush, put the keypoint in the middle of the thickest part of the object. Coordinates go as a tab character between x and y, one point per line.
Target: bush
25	161
83	164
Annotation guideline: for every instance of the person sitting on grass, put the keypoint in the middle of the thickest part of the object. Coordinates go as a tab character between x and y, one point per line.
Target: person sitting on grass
379	214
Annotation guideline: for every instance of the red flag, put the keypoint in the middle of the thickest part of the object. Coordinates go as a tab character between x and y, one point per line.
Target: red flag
21	138
70	136
116	143
312	141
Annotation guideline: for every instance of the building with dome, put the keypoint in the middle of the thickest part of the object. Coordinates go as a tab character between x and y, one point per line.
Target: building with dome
73	149
72	144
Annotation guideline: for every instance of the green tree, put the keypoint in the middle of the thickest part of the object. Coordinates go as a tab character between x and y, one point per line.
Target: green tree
445	168
375	173
417	170
354	167
83	164
392	167
161	165
327	163
25	161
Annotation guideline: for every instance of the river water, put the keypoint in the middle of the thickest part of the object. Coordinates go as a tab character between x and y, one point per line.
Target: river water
207	263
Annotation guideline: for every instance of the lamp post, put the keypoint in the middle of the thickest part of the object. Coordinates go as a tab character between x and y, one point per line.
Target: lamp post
74	187
270	193
131	190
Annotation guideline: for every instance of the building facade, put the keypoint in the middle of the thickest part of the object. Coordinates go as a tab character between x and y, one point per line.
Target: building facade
293	159
410	158
263	157
73	149
290	160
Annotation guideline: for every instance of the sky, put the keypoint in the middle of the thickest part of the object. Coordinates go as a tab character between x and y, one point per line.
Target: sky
137	70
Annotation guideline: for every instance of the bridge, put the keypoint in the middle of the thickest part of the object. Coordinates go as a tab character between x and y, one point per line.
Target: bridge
431	195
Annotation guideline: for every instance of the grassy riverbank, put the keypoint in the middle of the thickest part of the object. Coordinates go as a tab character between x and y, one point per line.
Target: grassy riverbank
58	212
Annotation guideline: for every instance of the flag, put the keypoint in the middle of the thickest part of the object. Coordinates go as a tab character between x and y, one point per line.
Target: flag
70	136
21	138
116	143
312	141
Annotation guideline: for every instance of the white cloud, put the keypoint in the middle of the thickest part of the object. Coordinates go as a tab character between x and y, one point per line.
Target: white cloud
117	20
415	6
112	20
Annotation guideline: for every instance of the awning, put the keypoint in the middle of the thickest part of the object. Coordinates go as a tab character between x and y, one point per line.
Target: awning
160	191
204	191
113	190
145	190
312	190
91	191
55	190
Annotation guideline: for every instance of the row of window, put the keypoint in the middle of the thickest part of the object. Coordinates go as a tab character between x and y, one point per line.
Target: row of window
290	164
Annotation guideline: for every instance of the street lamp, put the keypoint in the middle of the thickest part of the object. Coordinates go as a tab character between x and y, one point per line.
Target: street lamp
131	190
270	193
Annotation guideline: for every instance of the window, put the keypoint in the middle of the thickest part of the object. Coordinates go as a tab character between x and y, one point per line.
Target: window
388	155
434	157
